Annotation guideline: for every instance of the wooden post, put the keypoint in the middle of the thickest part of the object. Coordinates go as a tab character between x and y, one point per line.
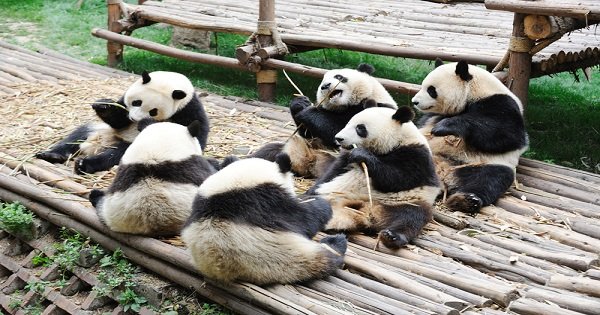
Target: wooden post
115	50
519	65
266	78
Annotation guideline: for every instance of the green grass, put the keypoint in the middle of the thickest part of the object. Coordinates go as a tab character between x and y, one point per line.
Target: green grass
562	115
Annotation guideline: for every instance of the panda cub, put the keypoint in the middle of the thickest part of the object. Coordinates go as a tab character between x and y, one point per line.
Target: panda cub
160	95
248	225
156	182
402	177
476	132
341	94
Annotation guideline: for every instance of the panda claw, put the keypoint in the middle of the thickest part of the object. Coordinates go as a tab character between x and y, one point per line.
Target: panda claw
392	240
51	157
465	202
298	104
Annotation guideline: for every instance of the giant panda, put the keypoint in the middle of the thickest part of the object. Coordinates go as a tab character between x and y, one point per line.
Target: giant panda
476	132
341	94
248	225
160	95
402	177
156	181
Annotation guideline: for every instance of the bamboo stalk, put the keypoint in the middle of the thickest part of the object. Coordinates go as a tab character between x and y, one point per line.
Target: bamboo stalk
565	299
531	307
578	284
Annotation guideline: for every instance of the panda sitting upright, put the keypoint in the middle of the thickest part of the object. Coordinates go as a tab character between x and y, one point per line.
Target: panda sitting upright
248	225
476	132
160	95
402	178
156	181
341	94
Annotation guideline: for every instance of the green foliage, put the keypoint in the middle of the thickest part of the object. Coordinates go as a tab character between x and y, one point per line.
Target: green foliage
213	309
117	273
15	302
67	252
16	219
131	300
37	286
41	260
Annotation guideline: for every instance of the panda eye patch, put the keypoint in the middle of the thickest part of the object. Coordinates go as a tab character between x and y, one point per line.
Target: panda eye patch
136	103
361	131
153	112
340	77
432	92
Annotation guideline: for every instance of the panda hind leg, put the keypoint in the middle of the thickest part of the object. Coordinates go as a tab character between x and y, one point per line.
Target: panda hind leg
479	186
269	151
348	215
401	224
59	153
103	161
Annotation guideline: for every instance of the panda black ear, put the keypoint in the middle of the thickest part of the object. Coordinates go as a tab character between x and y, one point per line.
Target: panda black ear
284	162
142	124
145	77
403	114
462	70
179	95
368	103
195	128
366	68
438	62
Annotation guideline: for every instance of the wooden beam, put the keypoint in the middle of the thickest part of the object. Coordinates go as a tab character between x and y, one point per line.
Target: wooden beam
266	78
519	65
115	50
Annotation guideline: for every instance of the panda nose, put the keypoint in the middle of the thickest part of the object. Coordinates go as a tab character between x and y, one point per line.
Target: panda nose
415	103
325	86
339	140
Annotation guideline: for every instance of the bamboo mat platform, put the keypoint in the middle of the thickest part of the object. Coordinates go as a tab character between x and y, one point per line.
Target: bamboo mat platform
407	28
535	252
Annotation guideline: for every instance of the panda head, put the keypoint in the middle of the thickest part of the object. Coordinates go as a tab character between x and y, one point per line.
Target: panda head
381	130
163	142
250	173
450	87
341	88
158	95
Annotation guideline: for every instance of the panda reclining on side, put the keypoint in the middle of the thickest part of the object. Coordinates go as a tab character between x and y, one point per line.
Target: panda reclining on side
341	94
160	95
402	177
248	225
476	132
156	182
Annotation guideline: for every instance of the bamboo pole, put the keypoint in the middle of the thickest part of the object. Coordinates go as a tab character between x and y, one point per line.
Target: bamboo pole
519	64
526	306
266	78
578	284
565	299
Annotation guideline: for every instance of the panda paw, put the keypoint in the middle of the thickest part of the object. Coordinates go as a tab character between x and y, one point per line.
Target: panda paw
83	166
51	157
298	104
359	155
392	240
464	202
443	128
102	105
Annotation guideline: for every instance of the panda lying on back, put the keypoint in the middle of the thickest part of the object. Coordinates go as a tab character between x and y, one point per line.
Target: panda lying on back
156	182
476	132
160	95
401	172
248	225
341	94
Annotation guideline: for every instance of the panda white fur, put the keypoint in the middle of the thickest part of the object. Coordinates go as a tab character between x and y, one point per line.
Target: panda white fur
341	94
476	132
156	182
402	177
248	225
160	95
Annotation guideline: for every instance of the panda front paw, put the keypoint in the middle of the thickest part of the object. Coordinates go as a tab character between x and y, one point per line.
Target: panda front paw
298	104
444	128
392	240
51	157
102	106
359	155
83	166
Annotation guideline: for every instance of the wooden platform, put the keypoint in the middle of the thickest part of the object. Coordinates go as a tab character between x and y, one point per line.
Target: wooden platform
407	28
535	252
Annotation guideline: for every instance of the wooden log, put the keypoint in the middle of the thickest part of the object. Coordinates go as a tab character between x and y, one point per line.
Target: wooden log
565	299
16	72
243	53
343	305
114	49
449	220
404	283
539	27
578	284
48	53
554	201
519	64
394	293
549	176
532	307
593	273
266	78
359	298
562	170
479	286
174	274
305	301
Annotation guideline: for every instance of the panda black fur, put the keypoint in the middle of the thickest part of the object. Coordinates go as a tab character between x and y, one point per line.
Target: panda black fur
402	177
248	225
341	94
476	132
160	95
156	182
